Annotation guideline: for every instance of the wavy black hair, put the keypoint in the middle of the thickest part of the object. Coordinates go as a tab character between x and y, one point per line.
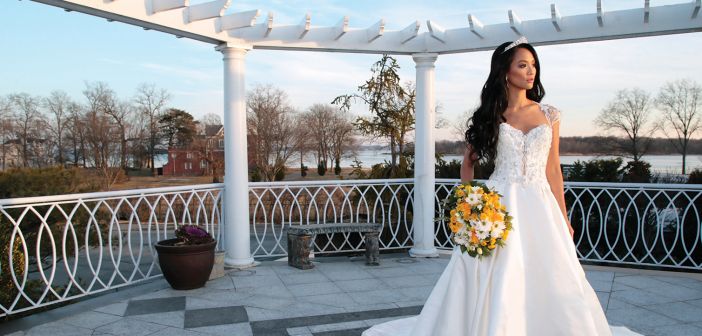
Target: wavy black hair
483	126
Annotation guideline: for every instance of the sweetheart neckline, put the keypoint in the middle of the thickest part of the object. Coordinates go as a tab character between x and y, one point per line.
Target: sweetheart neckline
522	132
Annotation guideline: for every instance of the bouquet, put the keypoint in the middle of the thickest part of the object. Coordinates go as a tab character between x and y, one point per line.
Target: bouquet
478	221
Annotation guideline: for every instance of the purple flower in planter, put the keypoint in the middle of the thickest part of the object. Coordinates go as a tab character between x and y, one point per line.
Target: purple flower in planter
192	235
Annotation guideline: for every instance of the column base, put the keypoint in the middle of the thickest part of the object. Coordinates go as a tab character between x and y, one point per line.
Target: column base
240	263
424	253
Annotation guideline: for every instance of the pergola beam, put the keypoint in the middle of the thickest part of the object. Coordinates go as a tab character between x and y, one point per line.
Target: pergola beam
205	22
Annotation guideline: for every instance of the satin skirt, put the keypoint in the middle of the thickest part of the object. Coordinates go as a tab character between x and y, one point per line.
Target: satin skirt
533	286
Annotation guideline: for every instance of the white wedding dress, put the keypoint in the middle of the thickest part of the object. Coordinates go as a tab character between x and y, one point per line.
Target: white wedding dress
534	285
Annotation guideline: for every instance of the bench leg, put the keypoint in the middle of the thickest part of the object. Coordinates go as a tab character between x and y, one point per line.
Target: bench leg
372	249
299	251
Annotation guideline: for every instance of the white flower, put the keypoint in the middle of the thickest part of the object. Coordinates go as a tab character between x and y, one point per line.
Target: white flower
473	199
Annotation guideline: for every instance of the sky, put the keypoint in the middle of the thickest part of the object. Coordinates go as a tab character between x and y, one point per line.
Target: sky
43	48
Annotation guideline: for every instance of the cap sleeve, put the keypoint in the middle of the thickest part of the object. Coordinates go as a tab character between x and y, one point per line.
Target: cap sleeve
552	114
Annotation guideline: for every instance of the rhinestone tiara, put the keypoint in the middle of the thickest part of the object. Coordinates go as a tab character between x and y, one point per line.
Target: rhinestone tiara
519	41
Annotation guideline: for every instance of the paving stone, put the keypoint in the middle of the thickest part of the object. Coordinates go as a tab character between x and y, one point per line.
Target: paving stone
392	272
58	329
618	304
408	281
679	311
640	297
348	332
337	326
170	319
378	296
113	309
599	275
299	331
678	293
346	274
314	289
415	293
176	332
604	299
215	316
297	279
91	320
638	317
361	285
677	330
340	300
159	305
601	286
236	329
639	281
220	283
130	327
257	281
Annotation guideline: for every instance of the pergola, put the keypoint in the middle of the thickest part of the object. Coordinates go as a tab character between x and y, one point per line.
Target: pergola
236	33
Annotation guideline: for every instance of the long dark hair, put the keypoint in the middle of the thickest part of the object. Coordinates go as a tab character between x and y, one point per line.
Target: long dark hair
483	129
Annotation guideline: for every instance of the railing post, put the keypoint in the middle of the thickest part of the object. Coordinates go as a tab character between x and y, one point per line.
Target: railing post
237	243
424	179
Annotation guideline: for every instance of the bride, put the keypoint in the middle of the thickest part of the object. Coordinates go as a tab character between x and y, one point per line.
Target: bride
534	285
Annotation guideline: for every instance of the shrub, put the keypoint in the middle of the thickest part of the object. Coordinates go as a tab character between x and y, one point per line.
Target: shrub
337	168
280	174
303	170
695	177
322	168
596	170
637	172
255	175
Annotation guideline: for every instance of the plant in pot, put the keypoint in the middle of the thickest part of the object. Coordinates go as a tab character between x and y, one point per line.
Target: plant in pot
186	261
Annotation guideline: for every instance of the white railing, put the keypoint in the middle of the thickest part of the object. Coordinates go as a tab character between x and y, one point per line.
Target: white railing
636	224
58	248
279	204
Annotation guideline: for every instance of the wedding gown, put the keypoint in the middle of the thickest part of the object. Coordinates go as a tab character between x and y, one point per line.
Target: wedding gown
534	285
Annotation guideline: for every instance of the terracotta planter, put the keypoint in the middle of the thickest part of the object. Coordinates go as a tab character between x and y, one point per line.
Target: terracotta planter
187	266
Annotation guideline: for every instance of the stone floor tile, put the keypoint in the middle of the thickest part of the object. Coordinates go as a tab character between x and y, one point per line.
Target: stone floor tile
314	289
169	331
599	275
639	281
408	281
679	311
677	330
159	305
638	317
238	329
170	319
640	297
58	329
601	286
358	285
215	316
90	320
257	281
337	326
340	300
346	274
224	282
676	292
130	327
414	293
299	331
113	309
297	279
604	299
378	296
392	272
618	304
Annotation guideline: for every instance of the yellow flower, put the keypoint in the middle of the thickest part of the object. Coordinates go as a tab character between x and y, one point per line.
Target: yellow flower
505	234
460	193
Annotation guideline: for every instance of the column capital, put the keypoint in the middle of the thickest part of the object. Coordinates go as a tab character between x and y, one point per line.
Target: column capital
425	59
233	48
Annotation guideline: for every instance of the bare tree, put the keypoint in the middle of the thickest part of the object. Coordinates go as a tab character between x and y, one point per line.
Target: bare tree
319	120
211	119
630	113
150	102
59	103
104	100
342	137
75	133
105	152
681	105
271	125
27	124
5	128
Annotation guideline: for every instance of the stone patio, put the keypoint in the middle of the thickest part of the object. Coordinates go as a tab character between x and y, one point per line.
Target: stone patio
341	296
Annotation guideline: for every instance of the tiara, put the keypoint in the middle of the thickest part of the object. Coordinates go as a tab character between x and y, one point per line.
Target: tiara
519	41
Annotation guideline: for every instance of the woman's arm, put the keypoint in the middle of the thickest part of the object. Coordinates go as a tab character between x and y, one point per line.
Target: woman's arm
554	175
467	165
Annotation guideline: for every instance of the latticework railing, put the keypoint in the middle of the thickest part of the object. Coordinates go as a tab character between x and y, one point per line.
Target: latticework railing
655	225
59	248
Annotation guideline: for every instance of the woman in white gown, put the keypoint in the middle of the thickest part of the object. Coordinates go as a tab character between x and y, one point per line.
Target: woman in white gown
534	285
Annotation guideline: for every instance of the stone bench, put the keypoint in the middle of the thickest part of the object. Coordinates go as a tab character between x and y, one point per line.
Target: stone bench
301	238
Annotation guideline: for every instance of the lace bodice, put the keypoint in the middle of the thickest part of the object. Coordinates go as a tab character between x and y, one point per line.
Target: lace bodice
521	157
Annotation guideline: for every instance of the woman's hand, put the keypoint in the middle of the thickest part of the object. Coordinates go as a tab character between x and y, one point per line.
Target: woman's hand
570	229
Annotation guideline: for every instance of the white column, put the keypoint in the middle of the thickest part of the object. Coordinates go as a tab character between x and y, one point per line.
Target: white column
424	179
237	243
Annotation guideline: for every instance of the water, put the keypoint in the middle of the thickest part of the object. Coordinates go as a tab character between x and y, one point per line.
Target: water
659	163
